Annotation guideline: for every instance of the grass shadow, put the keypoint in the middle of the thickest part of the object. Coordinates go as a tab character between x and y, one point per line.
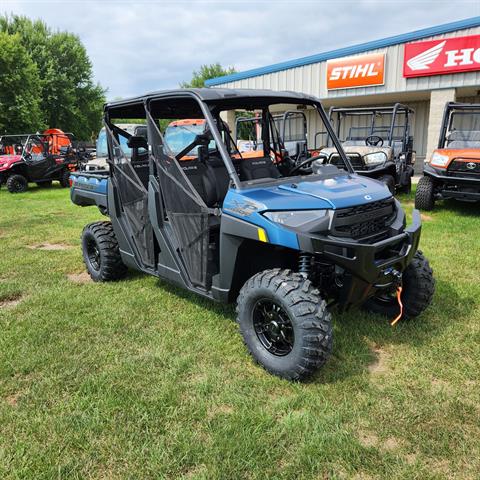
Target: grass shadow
465	209
357	331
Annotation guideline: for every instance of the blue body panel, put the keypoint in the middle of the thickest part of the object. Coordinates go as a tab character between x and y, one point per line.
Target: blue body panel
331	193
90	182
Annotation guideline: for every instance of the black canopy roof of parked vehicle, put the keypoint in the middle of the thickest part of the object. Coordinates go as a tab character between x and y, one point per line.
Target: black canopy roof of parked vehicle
228	99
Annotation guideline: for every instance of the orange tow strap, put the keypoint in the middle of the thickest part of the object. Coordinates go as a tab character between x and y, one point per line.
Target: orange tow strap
396	319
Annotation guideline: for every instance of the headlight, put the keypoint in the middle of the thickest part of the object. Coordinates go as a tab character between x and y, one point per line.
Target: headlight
375	158
295	218
439	160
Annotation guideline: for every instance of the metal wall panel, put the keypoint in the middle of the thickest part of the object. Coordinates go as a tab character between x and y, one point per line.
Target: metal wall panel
311	79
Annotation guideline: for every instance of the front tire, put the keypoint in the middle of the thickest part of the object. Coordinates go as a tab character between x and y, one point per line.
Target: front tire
424	197
418	287
101	253
389	181
285	323
17	183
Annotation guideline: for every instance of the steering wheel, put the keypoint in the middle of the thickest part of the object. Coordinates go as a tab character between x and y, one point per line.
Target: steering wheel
374	141
298	167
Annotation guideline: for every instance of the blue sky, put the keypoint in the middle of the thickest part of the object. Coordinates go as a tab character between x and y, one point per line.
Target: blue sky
137	47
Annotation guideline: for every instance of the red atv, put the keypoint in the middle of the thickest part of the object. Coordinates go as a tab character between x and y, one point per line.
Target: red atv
39	158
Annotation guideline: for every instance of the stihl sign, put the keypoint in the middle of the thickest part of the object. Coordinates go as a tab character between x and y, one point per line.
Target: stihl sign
440	57
353	72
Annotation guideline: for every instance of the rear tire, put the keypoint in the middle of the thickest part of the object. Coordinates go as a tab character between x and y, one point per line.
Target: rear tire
285	323
418	288
101	253
424	197
17	183
65	178
389	181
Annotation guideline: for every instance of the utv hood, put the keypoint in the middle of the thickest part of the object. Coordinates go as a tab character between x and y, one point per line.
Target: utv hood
309	193
6	161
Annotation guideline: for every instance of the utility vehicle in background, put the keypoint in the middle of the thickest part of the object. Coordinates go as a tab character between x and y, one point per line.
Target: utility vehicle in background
292	134
378	142
188	207
101	152
40	158
454	167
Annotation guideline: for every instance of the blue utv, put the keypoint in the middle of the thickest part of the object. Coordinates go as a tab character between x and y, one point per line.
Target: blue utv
287	239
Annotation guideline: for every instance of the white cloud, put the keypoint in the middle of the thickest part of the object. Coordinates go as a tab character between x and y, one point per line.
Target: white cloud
137	47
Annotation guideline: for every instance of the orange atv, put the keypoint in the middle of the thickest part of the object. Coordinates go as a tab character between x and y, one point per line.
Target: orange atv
454	167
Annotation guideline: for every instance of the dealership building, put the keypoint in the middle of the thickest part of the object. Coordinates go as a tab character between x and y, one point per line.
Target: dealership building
422	69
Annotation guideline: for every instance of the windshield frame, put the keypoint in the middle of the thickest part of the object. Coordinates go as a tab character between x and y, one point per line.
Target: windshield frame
228	161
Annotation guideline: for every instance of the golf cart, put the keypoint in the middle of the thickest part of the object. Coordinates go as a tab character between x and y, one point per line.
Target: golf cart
39	158
378	143
286	247
454	167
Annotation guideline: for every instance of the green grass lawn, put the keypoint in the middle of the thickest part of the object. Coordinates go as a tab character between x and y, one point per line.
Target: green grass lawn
138	379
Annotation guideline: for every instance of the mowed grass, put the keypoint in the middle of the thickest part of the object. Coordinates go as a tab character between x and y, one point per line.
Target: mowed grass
138	379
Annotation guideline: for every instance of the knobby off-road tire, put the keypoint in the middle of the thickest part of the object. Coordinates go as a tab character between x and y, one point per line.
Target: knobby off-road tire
282	297
17	183
65	178
389	181
424	197
418	287
101	253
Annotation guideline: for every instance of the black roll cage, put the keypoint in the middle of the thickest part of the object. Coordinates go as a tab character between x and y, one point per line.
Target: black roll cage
208	106
396	109
450	108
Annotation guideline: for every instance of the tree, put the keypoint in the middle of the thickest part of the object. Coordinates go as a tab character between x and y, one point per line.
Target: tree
19	88
70	100
207	72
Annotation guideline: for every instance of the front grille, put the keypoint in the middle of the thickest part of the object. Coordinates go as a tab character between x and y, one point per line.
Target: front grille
355	159
371	220
464	168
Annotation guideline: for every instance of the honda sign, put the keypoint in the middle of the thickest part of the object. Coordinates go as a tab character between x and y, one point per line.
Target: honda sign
443	56
352	72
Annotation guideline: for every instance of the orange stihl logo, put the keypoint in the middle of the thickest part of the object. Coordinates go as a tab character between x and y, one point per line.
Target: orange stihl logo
361	71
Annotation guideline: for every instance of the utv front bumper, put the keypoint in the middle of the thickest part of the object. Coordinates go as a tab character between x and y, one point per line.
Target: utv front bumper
365	267
461	187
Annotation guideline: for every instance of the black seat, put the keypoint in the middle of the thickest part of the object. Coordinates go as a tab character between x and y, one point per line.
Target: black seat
255	168
222	178
202	178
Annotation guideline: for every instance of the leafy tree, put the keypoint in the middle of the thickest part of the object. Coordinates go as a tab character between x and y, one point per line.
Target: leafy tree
70	100
207	72
19	88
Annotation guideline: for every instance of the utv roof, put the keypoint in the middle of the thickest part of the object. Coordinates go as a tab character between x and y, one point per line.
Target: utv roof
399	107
463	106
225	97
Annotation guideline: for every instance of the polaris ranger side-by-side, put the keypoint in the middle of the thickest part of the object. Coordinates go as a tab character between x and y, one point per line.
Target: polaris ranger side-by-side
40	158
454	167
287	247
377	141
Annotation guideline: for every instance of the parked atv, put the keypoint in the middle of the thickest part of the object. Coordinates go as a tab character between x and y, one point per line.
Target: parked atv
40	158
287	247
454	167
378	143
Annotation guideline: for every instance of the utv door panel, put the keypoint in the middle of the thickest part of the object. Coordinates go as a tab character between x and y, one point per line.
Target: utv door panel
133	202
186	213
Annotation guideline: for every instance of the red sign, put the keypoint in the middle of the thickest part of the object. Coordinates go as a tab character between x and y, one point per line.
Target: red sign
352	72
443	56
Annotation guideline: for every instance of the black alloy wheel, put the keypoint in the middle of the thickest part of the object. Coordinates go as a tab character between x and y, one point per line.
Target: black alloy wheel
273	327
